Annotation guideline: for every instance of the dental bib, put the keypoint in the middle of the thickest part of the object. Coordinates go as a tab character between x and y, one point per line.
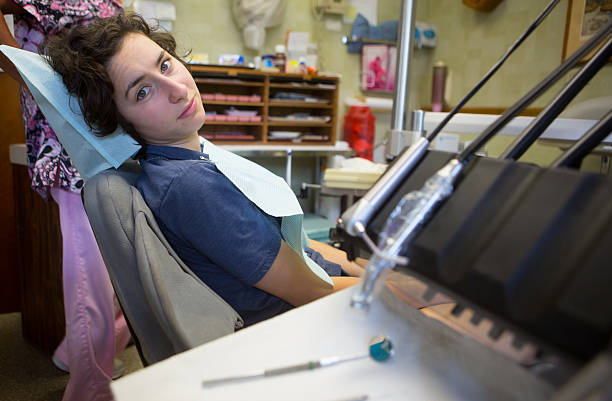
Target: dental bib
270	193
89	153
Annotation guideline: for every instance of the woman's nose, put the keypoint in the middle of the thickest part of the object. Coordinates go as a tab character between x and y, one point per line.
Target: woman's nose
176	90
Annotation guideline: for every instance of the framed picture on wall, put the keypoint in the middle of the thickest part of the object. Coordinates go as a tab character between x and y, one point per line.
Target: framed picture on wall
584	18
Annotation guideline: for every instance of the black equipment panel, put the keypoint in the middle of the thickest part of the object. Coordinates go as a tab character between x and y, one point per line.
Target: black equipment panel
529	245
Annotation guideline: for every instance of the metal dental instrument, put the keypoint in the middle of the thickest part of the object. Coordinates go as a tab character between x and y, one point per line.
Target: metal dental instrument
415	208
358	216
380	349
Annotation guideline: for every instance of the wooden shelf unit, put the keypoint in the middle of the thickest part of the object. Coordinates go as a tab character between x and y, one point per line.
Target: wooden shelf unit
243	81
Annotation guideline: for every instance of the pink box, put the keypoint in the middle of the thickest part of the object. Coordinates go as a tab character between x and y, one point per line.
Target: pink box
220	117
211	117
231	118
220	97
207	96
244	98
255	119
255	98
232	98
244	118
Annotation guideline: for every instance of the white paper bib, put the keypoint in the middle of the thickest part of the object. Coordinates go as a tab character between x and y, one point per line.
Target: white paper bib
270	193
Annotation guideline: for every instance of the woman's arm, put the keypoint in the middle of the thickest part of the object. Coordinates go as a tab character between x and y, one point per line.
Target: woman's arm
290	279
9	7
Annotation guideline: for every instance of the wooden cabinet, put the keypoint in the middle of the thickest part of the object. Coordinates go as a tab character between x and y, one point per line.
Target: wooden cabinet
11	131
245	106
40	248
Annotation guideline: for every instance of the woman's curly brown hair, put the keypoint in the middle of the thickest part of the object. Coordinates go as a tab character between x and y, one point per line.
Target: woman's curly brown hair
82	56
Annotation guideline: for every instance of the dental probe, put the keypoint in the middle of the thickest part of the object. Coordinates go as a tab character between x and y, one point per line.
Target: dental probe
380	349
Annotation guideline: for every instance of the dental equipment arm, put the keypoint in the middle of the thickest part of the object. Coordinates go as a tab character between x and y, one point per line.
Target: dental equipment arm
416	208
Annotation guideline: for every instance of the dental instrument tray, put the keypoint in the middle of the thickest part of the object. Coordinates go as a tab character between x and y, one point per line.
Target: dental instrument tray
528	247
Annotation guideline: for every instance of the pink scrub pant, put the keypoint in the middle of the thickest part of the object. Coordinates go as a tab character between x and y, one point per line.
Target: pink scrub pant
95	328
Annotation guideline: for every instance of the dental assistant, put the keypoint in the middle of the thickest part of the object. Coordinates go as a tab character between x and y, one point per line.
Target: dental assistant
95	328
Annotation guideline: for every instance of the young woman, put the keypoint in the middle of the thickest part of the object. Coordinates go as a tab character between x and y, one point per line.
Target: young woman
124	73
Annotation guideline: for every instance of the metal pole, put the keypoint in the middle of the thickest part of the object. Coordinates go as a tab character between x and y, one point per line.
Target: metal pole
405	39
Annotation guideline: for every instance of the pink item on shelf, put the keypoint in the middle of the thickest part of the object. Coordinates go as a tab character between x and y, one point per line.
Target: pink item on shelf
231	118
231	98
220	117
255	119
207	96
220	97
244	118
243	98
255	98
211	117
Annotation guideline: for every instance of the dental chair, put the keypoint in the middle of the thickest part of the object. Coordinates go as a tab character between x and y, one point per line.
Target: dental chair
167	307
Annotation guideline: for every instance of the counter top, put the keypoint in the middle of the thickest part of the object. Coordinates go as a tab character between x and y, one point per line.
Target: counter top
431	361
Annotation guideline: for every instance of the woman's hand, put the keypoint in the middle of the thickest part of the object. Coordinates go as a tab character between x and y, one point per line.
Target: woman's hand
6	38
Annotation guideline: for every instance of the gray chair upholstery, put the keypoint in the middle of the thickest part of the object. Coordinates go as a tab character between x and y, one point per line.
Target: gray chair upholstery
168	308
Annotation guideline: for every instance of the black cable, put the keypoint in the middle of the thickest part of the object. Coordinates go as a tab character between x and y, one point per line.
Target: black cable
556	106
494	69
593	137
534	93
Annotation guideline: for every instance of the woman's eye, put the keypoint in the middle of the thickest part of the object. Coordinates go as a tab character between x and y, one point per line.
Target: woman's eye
165	65
142	93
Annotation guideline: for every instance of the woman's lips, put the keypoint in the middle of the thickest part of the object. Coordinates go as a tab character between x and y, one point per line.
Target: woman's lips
189	109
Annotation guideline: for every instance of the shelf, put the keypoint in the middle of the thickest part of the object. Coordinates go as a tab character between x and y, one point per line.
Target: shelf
309	105
299	124
226	103
233	123
243	82
290	86
229	82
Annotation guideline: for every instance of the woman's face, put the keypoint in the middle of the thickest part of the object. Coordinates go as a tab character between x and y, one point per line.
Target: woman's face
155	93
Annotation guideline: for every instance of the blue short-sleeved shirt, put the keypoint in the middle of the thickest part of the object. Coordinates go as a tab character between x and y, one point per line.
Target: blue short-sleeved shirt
219	233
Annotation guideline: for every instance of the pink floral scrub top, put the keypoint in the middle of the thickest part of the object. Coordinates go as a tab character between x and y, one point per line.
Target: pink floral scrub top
48	163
